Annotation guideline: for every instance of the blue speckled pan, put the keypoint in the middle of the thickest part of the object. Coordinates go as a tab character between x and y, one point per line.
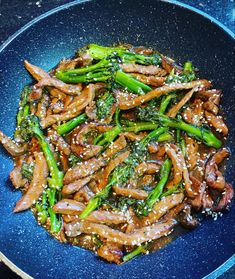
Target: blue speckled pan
178	31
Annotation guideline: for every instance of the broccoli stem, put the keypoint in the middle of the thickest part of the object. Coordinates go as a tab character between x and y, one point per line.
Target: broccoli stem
127	81
100	52
56	179
146	206
165	137
23	108
201	133
54	219
137	251
137	127
181	142
68	126
165	102
41	208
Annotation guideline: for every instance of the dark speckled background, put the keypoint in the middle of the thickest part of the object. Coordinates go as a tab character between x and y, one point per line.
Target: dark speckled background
15	13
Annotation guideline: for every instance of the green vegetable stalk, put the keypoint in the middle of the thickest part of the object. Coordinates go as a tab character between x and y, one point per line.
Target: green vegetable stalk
145	207
201	133
68	126
137	251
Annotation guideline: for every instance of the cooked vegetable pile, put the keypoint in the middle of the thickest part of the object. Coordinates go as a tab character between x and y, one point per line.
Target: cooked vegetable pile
117	147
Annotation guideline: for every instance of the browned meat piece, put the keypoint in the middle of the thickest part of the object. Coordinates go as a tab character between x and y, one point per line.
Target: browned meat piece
153	147
74	109
192	152
177	165
131	193
173	213
44	79
143	50
213	176
67	64
84	194
112	164
83	169
125	105
59	142
162	207
11	146
56	106
110	252
72	207
16	178
187	183
169	64
212	95
175	109
195	114
137	237
146	168
56	93
211	107
134	137
199	188
151	80
145	70
207	201
226	198
75	185
85	151
186	219
217	122
64	159
117	146
37	184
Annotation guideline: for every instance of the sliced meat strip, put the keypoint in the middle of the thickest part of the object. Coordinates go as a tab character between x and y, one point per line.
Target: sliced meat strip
44	79
59	142
187	183
175	109
111	252
83	169
177	165
37	184
112	164
199	188
225	199
72	207
212	95
137	237
134	137
146	70
211	107
186	219
147	168
194	114
117	146
213	176
162	207
131	193
125	105
84	194
76	185
85	151
42	106
73	110
169	64
217	122
151	80
11	146
192	152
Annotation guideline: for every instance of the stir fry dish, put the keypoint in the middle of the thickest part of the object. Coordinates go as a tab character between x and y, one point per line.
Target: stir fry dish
118	147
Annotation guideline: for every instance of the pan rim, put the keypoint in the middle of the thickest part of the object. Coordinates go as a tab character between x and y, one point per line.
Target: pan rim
231	261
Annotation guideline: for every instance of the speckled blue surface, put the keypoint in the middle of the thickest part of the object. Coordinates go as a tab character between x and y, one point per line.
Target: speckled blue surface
173	30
